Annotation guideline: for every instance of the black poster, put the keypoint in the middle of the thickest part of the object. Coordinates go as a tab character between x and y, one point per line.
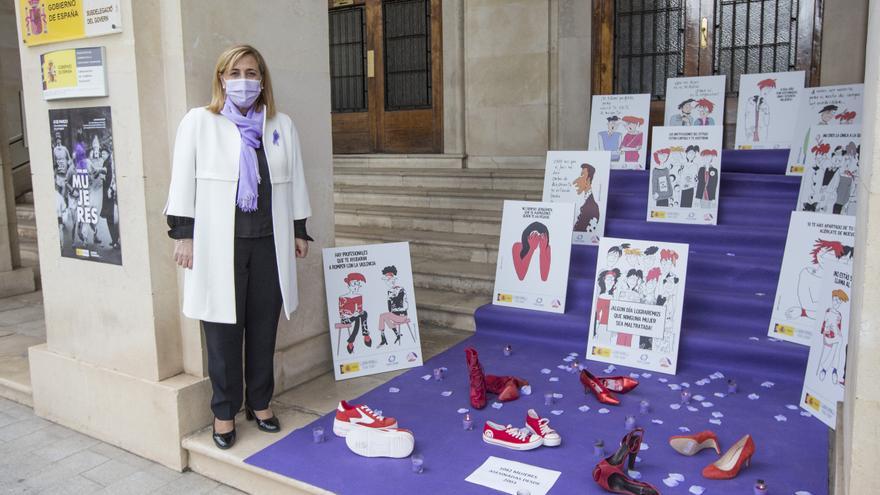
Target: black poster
85	184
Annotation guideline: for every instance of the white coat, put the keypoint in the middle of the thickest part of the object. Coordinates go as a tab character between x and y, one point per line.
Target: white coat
204	181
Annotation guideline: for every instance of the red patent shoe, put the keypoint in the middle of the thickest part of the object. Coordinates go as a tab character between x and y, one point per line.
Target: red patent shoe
609	473
691	444
728	466
592	384
507	387
619	384
477	379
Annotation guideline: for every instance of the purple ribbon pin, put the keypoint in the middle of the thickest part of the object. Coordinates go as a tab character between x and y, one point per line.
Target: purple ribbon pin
275	137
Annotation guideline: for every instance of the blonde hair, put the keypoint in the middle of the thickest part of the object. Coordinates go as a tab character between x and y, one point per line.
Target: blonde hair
226	61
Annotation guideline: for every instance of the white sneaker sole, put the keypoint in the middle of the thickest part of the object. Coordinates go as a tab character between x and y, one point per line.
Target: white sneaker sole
374	442
341	428
548	442
513	446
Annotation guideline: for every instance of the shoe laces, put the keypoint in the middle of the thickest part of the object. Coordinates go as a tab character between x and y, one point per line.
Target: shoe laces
544	424
372	414
518	433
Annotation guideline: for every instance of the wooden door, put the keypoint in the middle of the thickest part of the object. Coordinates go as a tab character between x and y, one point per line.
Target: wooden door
386	76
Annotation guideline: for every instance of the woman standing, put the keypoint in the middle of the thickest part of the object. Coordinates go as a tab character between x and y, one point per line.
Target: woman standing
237	200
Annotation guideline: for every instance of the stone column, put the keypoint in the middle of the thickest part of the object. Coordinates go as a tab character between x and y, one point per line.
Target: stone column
862	405
120	362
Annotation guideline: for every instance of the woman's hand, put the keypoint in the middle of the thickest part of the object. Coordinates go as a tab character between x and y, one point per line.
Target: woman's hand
183	253
302	247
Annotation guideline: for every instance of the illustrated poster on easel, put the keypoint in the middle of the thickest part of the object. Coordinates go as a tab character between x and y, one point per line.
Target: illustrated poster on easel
618	123
695	101
533	255
815	243
685	175
826	367
637	303
580	177
823	106
830	182
371	306
767	109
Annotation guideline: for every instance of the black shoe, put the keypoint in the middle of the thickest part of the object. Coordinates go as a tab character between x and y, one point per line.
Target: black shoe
270	425
224	440
397	337
383	341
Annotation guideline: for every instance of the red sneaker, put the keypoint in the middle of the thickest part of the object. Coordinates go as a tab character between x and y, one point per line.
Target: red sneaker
380	442
541	427
348	415
510	437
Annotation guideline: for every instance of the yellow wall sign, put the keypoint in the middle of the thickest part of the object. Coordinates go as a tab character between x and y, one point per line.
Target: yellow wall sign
50	21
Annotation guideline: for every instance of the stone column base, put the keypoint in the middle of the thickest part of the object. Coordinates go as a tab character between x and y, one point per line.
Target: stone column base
144	417
17	281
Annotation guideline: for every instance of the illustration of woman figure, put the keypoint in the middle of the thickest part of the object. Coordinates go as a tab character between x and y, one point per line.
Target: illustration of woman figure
632	142
607	282
704	108
846	179
831	329
614	254
609	140
830	180
352	311
820	164
687	176
810	278
758	113
661	184
707	179
649	289
668	260
633	256
631	292
397	305
668	291
588	211
535	237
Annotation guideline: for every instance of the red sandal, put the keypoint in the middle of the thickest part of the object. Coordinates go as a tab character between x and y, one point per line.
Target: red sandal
609	473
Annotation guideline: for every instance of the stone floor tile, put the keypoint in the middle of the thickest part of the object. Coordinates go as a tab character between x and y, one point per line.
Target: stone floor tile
22	428
137	484
64	448
110	472
188	484
77	485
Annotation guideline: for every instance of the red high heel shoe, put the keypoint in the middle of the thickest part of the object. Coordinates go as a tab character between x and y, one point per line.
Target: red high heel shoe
619	384
592	384
477	379
609	473
728	466
691	444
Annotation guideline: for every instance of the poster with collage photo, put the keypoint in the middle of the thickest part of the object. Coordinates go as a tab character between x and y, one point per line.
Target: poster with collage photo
637	304
695	101
685	175
371	306
619	124
831	176
533	255
826	367
823	106
580	177
85	184
767	110
816	243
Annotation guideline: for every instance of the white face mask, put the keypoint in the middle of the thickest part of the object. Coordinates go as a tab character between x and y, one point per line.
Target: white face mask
243	92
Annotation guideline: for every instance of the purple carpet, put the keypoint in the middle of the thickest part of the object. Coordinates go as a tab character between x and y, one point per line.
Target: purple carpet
730	286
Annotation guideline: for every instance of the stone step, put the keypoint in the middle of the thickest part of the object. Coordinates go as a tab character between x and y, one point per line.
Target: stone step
26	198
454	220
483	179
462	198
479	248
425	161
448	309
465	277
27	231
24	212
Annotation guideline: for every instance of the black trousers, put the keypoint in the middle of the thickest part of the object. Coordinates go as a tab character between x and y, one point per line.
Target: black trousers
257	308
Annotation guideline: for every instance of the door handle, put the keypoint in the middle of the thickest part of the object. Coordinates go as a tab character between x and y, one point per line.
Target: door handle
371	63
704	32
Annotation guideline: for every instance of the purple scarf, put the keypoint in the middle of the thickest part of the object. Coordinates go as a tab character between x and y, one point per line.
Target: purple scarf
250	127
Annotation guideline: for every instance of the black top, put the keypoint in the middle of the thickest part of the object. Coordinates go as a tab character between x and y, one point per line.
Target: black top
248	225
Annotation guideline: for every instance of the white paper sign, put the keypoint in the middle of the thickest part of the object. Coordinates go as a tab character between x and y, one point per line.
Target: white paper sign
533	255
618	123
826	366
823	106
695	101
509	476
74	73
637	304
685	175
371	306
580	177
830	181
815	243
767	109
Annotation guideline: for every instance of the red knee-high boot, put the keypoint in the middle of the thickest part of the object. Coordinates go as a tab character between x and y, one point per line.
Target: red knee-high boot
477	379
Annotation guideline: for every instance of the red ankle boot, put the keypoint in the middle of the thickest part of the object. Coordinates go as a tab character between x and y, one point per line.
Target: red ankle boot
477	379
